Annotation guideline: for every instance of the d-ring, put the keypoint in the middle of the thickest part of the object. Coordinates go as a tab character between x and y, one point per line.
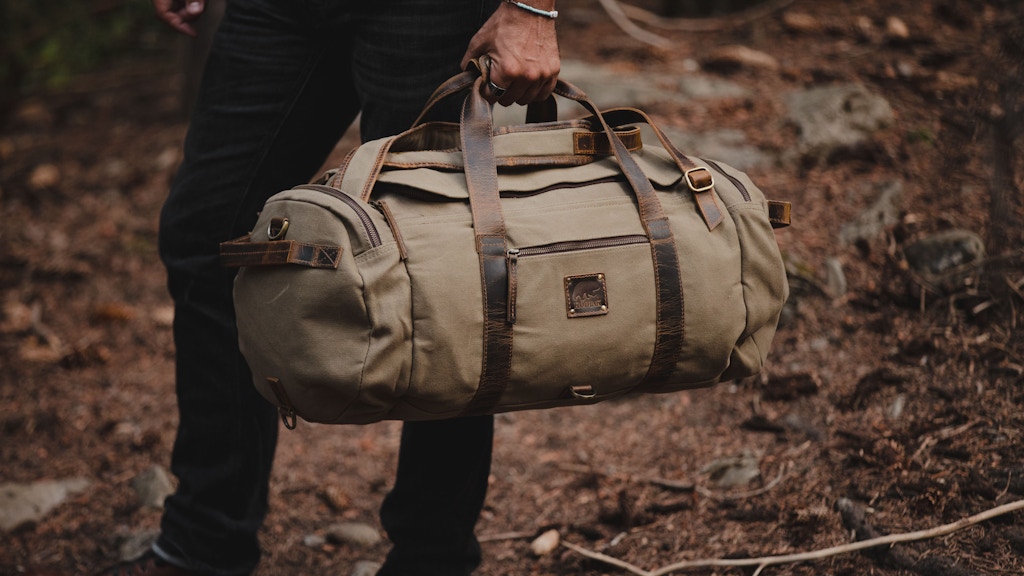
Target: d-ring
498	91
277	228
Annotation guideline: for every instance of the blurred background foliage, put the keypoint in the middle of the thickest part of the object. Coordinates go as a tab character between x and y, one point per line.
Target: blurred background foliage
44	43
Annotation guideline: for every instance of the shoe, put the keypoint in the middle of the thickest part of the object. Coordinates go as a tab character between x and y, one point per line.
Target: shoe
149	564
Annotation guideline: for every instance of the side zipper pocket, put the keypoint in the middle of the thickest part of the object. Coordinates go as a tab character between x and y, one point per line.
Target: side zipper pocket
372	234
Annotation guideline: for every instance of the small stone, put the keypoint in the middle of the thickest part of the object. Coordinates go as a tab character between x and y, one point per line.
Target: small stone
735	56
365	568
166	159
545	543
835	279
355	533
44	176
163	316
153	486
864	26
137	544
734	471
896	29
336	498
801	22
313	541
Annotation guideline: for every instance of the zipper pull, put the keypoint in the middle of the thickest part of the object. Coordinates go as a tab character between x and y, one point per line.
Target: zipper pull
511	259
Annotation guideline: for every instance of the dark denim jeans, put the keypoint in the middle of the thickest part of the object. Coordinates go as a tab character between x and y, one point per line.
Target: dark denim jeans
284	79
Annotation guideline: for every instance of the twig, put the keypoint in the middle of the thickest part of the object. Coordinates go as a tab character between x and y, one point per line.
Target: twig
606	559
750	494
506	536
675	485
713	24
764	561
614	10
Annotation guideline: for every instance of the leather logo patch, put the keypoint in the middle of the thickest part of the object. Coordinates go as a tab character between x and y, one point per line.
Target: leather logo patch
586	295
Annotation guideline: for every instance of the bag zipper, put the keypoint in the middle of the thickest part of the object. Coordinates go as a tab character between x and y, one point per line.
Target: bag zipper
735	181
364	217
513	254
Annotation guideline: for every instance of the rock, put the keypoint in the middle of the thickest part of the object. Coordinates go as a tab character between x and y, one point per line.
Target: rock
153	486
939	259
24	503
313	540
167	159
896	29
882	213
734	471
865	27
734	57
545	543
365	568
137	544
801	22
355	533
835	279
44	176
834	118
163	316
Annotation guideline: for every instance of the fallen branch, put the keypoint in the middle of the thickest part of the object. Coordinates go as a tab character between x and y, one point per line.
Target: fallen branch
765	561
679	486
712	24
614	10
675	485
506	536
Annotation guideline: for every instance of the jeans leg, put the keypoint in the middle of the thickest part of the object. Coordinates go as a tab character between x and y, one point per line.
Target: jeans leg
431	511
273	102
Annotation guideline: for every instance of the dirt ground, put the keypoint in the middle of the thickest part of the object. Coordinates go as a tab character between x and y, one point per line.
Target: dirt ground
901	403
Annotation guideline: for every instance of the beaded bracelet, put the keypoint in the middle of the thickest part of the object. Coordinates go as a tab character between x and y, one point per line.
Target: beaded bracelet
547	14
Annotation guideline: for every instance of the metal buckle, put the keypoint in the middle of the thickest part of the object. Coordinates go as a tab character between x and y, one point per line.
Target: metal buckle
692	182
277	228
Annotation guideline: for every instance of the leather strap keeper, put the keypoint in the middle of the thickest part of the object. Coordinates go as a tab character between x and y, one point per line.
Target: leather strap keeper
244	252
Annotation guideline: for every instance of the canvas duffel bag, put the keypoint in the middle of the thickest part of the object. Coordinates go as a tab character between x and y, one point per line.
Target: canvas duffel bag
459	269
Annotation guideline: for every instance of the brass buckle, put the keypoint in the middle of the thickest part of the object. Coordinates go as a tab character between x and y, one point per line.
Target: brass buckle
692	182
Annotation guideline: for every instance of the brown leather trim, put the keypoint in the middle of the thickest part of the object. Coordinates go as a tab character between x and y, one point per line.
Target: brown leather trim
497	353
510	162
491	244
596	143
780	214
339	173
244	252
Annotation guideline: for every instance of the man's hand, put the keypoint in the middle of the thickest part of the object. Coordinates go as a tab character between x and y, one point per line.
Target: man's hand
180	14
523	51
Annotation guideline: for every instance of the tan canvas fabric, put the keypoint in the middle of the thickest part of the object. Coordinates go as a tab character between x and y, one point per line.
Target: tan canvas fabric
396	331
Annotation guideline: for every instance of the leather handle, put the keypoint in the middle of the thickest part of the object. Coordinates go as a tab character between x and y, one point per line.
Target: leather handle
706	202
536	112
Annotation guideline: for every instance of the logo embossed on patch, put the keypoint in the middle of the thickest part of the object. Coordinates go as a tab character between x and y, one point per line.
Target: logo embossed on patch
586	295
